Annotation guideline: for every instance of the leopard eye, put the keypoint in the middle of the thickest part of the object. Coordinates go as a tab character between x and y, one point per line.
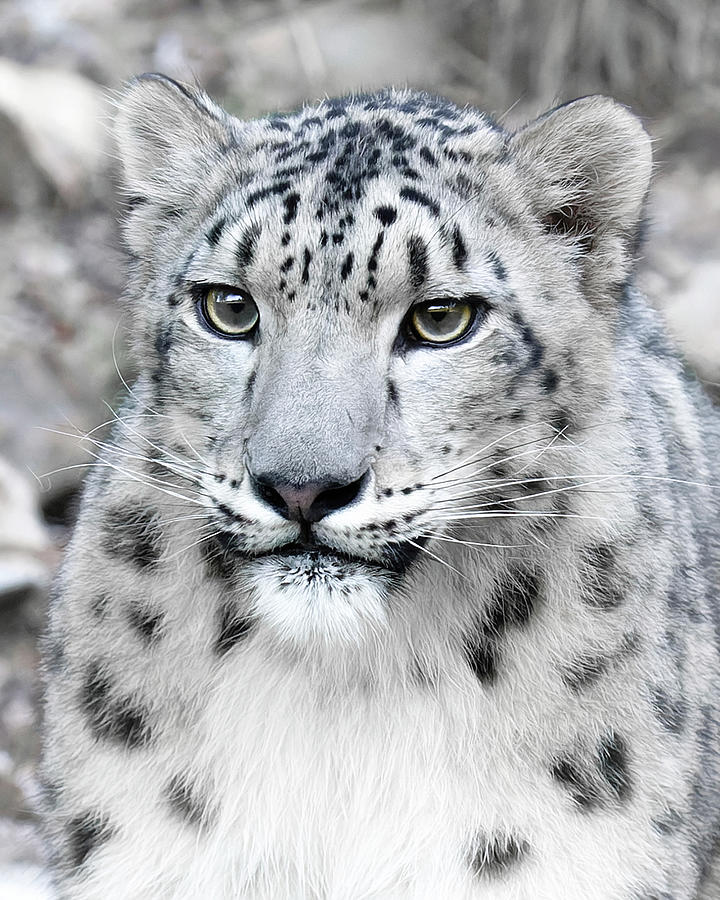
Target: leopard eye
229	311
442	321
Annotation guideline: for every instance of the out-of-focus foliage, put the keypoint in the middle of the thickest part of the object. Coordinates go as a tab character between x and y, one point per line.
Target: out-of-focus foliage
648	53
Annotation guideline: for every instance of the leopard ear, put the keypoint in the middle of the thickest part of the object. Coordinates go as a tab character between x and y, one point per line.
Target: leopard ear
588	166
170	139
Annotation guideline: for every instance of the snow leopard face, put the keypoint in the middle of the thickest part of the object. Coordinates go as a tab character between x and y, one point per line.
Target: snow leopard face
378	321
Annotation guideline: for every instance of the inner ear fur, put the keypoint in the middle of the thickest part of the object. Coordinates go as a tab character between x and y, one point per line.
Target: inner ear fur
169	136
589	163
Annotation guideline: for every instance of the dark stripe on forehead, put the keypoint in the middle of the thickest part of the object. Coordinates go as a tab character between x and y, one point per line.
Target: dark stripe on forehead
261	194
213	235
415	196
417	258
245	252
459	248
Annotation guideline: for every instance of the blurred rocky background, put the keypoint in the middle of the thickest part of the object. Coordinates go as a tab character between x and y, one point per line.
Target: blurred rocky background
61	263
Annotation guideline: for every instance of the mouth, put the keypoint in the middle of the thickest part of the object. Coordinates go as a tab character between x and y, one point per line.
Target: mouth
319	555
395	558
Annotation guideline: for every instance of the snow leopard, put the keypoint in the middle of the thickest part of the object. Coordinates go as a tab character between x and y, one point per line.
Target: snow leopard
397	573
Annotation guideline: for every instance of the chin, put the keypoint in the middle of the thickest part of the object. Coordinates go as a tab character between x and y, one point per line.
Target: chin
306	597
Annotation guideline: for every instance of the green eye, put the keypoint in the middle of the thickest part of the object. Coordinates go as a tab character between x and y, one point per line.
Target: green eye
230	312
441	322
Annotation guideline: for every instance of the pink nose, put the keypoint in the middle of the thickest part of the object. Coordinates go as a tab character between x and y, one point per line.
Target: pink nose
309	502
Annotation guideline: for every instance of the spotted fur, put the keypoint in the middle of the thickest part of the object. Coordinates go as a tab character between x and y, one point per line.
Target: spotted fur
490	667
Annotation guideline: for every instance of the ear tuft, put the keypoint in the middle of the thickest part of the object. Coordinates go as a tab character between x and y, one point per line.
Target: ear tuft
589	163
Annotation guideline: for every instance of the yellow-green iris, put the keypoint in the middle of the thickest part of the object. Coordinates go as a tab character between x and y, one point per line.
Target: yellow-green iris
442	321
229	311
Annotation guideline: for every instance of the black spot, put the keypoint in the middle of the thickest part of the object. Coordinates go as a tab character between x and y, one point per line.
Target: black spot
112	718
492	857
513	601
415	196
221	555
481	655
213	236
245	252
287	264
146	623
578	783
497	266
511	604
307	259
338	237
185	801
249	385
549	381
585	671
377	246
459	248
417	254
84	834
133	534
671	713
285	239
613	764
347	266
323	238
386	214
291	203
427	156
233	628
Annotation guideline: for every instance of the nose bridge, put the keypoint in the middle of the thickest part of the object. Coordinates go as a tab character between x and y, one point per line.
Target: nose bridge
315	419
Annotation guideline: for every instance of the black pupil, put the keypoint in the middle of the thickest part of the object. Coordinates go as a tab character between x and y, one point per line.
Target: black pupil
438	314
